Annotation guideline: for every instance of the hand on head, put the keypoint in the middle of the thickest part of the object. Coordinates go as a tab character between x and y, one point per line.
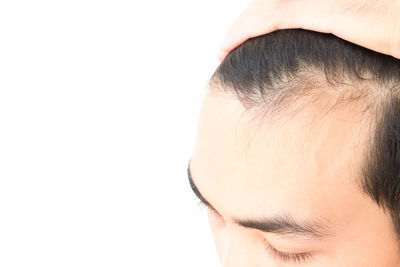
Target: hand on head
372	24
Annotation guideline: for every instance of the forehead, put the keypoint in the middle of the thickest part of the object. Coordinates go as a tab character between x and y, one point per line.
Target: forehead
302	163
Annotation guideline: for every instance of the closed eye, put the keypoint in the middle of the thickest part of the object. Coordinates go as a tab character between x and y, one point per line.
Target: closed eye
288	257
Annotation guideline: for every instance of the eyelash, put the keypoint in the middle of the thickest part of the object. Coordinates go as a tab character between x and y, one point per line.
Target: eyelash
288	257
276	254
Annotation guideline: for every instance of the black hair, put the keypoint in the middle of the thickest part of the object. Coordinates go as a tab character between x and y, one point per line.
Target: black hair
270	71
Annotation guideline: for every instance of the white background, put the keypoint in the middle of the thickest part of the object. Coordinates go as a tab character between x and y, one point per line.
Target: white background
98	113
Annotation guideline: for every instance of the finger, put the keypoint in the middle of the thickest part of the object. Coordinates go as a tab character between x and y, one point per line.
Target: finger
256	20
241	34
263	17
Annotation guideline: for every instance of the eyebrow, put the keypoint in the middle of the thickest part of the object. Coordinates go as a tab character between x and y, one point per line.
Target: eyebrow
284	225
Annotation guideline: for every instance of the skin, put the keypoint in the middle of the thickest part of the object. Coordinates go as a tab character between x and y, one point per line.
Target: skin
372	24
304	165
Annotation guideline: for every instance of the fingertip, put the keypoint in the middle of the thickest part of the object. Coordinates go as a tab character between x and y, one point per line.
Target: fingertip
226	46
232	40
221	55
223	49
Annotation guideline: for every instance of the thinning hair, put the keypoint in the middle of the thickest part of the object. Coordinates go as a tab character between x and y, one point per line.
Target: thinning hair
271	71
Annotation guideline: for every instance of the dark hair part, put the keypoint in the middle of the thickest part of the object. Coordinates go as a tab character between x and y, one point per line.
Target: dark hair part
273	70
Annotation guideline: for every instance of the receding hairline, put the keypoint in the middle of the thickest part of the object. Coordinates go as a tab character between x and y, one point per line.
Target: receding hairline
320	100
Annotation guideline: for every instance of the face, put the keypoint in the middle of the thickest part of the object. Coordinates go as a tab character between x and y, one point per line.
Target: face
284	190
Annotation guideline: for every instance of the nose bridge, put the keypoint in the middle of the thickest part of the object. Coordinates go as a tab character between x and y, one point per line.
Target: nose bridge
236	248
231	251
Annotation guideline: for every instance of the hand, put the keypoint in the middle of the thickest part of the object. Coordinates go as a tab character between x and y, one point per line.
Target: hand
372	24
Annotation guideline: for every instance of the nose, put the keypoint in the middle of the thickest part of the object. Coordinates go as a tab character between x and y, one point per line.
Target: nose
238	249
232	255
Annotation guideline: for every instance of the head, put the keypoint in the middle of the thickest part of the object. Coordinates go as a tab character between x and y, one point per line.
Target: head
298	153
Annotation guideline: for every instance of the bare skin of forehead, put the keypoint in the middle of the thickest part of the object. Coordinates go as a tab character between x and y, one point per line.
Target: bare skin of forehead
295	157
305	120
